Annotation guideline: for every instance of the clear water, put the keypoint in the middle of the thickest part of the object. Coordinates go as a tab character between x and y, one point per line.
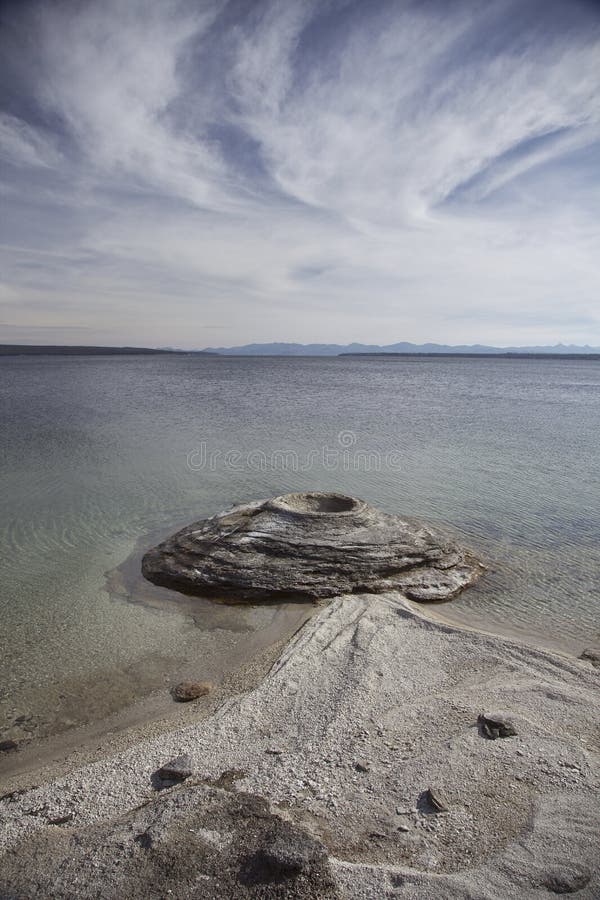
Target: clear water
99	453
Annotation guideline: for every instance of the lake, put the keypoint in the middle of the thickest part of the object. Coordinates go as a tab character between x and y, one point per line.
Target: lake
104	455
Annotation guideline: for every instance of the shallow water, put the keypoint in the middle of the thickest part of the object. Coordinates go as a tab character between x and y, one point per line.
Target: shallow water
100	453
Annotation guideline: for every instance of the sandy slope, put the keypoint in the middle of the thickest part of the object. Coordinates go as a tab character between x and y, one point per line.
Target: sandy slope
369	680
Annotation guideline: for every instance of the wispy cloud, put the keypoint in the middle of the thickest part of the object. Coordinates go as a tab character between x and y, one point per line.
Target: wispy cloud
302	170
24	146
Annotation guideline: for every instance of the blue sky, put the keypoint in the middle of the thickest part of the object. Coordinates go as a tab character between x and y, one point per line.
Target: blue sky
215	173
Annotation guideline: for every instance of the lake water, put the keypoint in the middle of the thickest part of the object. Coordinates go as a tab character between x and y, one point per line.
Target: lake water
103	455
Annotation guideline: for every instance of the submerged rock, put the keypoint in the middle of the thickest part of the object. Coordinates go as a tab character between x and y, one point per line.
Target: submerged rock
190	690
312	546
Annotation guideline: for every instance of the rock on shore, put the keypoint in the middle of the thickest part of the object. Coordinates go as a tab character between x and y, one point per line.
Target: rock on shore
310	545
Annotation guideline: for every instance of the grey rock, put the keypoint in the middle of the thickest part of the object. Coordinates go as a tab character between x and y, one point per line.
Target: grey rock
62	820
592	654
312	546
177	769
434	800
362	767
8	746
190	690
495	725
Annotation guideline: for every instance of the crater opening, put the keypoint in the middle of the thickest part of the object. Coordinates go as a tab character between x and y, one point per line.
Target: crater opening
315	503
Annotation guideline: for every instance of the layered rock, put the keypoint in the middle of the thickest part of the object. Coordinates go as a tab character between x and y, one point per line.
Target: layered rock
309	545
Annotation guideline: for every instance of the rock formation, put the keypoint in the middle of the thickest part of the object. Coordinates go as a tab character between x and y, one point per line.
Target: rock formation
309	545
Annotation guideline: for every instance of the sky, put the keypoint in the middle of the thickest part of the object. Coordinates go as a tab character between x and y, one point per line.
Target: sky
196	173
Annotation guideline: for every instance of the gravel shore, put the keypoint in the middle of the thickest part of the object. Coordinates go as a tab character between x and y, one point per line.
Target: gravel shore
364	740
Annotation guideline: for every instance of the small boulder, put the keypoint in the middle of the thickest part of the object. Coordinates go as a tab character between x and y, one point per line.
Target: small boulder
592	654
433	800
362	766
177	769
8	746
495	726
190	690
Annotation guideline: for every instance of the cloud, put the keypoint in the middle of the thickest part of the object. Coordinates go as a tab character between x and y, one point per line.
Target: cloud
396	118
24	146
110	74
305	171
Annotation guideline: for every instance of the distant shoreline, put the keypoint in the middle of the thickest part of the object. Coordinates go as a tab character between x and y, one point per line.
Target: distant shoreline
67	350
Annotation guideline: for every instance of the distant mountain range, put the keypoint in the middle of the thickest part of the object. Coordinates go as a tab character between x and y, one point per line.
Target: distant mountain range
403	347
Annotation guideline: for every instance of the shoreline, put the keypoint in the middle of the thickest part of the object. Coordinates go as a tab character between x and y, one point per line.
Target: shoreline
371	703
154	714
231	641
151	715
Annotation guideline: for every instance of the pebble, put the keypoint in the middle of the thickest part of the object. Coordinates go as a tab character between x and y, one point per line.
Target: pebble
190	690
62	820
592	654
436	800
177	769
493	726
